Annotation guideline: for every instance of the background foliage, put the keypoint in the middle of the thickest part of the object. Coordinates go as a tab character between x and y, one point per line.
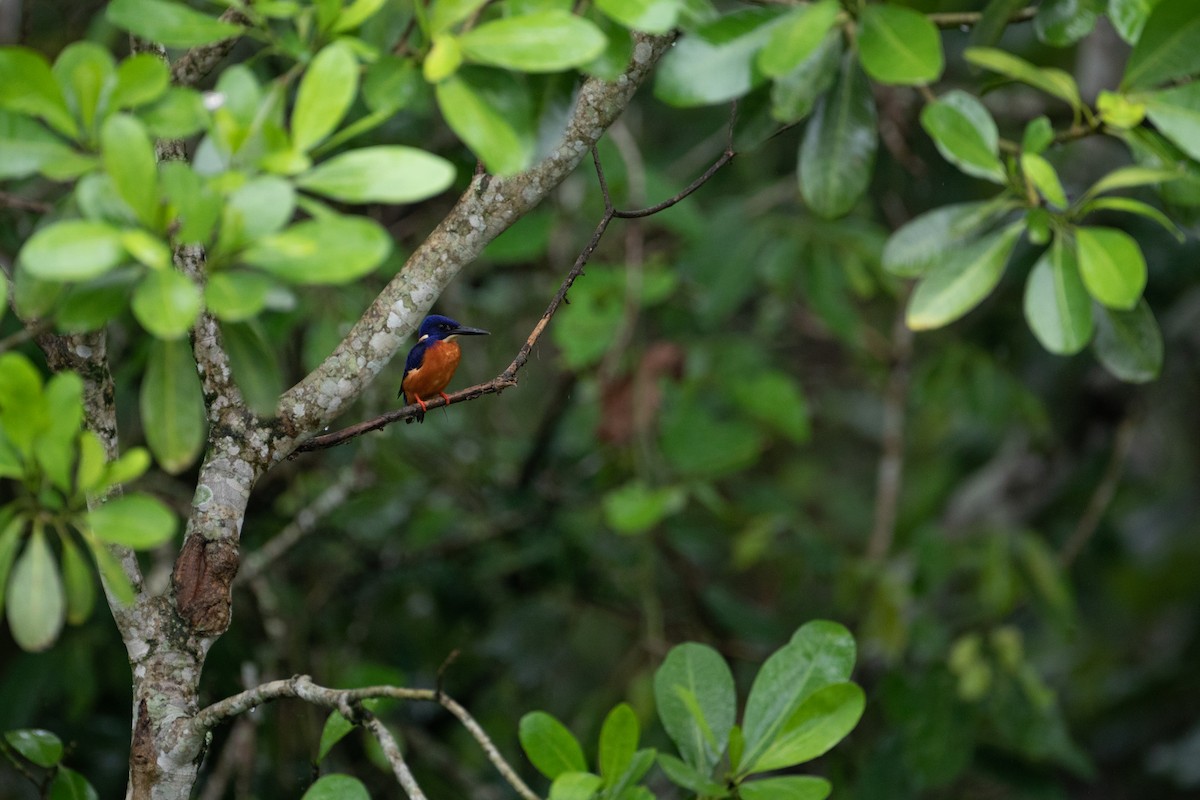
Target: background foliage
705	449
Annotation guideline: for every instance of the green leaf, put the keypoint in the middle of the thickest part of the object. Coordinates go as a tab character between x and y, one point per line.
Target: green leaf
134	520
1062	23
993	22
130	162
172	405
1129	343
636	507
1112	266
70	785
39	746
141	79
55	447
36	607
166	303
329	250
1131	206
1052	81
899	46
820	654
1129	17
92	462
965	134
169	23
1129	177
27	86
649	16
77	578
575	786
790	787
1039	134
129	466
255	365
444	59
821	721
618	742
1176	114
337	787
1044	178
355	14
549	746
928	239
957	284
115	581
1167	47
774	398
73	250
837	155
89	306
11	536
688	777
793	95
1057	306
698	443
146	248
716	64
179	113
693	689
797	36
335	729
259	207
385	174
544	41
445	14
84	70
26	147
324	96
235	296
503	143
391	83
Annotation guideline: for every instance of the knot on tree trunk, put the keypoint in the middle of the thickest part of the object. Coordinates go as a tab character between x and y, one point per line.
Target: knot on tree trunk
203	580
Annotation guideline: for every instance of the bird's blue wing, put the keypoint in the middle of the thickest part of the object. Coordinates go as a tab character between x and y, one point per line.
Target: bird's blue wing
415	357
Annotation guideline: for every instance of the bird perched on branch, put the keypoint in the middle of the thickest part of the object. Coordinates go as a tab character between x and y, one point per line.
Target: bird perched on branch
432	361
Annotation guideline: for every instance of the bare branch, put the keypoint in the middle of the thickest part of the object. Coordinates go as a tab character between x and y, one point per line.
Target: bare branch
391	751
891	458
191	68
1102	495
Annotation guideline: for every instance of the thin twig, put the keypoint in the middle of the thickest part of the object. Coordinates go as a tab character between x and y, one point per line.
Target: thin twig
9	200
967	19
31	331
1102	495
391	751
891	458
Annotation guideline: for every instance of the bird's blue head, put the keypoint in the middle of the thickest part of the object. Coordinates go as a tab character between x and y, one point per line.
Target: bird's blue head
437	328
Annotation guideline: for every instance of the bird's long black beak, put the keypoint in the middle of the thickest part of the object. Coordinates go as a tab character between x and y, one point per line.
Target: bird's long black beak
463	330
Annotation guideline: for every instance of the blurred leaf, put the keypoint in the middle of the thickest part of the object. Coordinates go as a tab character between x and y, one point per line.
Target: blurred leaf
329	250
114	577
41	747
236	296
12	528
356	13
134	520
1057	306
1112	266
1129	343
837	156
92	465
1044	178
1166	48
337	787
575	786
335	729
28	86
386	174
36	607
1131	206
169	23
693	689
324	95
390	84
255	365
545	41
650	16
899	45
1052	81
70	785
550	747
178	113
166	303
1064	22
965	134
172	405
933	236
793	95
716	63
993	22
27	148
697	443
198	206
1128	17
445	14
130	465
956	285
1039	134
791	787
497	132
83	70
797	36
1176	114
444	59
79	584
636	507
689	777
618	742
775	399
73	250
821	721
140	79
146	248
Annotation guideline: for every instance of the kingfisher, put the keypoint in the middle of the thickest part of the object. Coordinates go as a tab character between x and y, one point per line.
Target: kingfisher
432	361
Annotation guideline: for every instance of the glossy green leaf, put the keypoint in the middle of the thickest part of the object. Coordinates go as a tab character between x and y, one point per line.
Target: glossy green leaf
324	96
503	143
140	79
1052	81
78	582
1129	343
1062	23
166	303
820	722
1131	206
962	280
92	466
130	465
965	134
445	14
236	296
130	163
73	250
1129	17
993	22
36	606
693	690
84	70
682	774
335	729
1039	172
797	37
636	507
837	155
618	741
170	23
549	746
39	746
26	147
899	45
115	581
337	787
1112	266
28	86
385	174
930	238
1129	177
575	786
820	654
789	787
146	248
172	405
794	95
1166	48
56	447
650	16
133	520
444	58
717	63
1176	114
329	250
1039	134
70	785
544	41
1057	306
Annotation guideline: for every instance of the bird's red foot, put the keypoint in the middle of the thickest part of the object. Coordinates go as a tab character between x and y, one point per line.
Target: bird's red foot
421	403
445	397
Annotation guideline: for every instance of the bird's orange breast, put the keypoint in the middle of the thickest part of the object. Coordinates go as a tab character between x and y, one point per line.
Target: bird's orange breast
435	372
